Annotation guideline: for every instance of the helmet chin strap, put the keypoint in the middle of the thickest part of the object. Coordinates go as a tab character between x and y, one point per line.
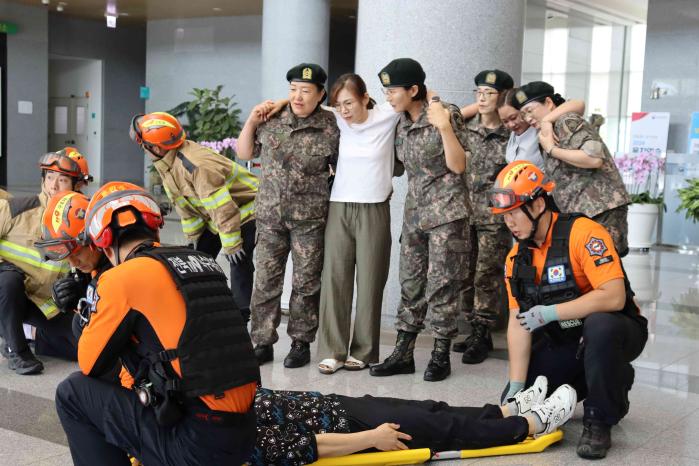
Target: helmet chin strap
534	220
148	147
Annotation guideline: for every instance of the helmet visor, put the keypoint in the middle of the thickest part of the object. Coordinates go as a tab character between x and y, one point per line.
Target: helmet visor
60	163
503	198
56	249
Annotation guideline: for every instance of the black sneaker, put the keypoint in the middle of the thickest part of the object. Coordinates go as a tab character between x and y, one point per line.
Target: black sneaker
299	356
595	440
24	363
264	353
480	343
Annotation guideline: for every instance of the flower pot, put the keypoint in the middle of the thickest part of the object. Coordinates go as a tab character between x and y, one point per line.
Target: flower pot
642	220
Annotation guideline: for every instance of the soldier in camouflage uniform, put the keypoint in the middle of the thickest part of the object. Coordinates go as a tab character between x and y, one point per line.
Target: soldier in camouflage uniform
578	161
297	148
489	238
429	141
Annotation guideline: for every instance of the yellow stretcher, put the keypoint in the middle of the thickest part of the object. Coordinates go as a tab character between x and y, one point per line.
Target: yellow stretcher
422	455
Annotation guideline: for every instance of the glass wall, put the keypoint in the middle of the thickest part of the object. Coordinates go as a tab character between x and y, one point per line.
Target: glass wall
583	57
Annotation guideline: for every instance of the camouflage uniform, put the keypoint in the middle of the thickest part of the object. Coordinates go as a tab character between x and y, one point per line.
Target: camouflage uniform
291	209
489	237
433	247
598	193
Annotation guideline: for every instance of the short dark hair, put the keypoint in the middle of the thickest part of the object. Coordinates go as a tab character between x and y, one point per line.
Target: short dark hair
421	91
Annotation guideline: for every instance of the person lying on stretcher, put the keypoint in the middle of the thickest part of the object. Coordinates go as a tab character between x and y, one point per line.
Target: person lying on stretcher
296	428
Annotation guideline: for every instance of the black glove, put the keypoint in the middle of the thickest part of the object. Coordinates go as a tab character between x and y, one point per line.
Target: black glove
67	291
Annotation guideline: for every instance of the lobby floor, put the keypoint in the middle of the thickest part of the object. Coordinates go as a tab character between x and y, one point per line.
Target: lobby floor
661	428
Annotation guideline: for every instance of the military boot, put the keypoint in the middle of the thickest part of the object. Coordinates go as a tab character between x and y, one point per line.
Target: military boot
439	366
480	343
299	355
595	440
24	363
401	360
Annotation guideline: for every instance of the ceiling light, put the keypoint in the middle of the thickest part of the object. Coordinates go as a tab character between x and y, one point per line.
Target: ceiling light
217	9
59	8
45	2
123	14
111	21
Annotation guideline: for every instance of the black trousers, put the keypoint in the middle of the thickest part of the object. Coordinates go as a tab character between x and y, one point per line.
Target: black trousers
241	274
104	421
435	424
600	371
54	337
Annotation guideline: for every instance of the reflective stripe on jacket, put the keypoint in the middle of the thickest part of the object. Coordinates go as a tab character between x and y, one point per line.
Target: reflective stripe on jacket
20	227
208	191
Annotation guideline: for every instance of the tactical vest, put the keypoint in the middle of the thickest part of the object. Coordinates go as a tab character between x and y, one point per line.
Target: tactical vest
214	350
557	284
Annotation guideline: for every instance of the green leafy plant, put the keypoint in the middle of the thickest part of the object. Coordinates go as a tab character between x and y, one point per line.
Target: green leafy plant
646	198
689	199
209	116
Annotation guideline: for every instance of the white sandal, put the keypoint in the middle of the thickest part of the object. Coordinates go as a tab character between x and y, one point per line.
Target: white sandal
354	364
330	366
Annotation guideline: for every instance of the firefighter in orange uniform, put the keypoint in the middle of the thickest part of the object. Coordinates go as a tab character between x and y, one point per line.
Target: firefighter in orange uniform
169	315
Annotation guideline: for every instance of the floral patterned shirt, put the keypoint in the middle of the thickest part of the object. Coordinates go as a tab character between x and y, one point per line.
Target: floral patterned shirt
287	423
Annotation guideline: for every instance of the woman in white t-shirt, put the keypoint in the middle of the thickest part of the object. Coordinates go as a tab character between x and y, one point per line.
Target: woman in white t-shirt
358	229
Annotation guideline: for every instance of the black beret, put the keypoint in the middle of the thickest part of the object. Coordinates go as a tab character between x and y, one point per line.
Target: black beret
307	73
534	90
402	72
496	79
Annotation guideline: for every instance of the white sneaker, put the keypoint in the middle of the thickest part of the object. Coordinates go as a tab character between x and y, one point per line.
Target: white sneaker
532	396
557	409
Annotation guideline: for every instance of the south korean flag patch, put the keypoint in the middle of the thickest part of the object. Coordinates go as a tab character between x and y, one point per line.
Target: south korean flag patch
556	274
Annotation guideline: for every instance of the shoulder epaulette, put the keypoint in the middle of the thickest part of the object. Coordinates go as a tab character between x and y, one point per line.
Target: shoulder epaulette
188	165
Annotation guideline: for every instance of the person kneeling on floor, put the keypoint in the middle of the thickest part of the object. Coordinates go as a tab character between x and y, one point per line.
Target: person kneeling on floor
572	314
169	316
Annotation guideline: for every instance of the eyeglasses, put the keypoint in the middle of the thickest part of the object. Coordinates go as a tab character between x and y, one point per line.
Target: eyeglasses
390	90
347	104
478	93
59	162
528	109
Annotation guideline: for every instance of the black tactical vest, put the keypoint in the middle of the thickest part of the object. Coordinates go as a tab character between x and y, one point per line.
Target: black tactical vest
557	284
214	351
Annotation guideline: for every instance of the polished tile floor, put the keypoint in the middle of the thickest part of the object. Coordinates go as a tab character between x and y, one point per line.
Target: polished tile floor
662	427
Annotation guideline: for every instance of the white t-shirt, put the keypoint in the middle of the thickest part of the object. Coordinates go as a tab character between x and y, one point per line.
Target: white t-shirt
525	147
365	161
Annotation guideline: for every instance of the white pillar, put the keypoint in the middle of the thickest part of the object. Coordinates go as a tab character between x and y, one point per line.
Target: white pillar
453	40
293	32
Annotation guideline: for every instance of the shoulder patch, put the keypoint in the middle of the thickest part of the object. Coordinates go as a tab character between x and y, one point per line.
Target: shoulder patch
188	165
19	205
596	247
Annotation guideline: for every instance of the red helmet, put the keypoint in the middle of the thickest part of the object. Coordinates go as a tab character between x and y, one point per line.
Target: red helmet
62	225
518	183
157	129
116	205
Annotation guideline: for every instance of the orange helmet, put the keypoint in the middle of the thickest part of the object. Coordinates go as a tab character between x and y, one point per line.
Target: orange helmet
117	205
62	225
81	160
518	183
157	129
67	161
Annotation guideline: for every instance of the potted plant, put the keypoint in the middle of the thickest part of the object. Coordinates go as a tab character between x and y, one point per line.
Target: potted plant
641	174
211	119
689	200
